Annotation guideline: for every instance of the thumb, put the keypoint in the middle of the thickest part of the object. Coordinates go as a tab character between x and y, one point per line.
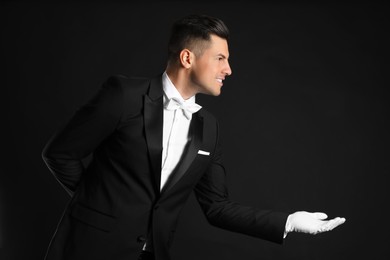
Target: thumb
320	215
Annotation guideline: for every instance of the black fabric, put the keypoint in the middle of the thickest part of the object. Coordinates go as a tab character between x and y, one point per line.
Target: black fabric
146	256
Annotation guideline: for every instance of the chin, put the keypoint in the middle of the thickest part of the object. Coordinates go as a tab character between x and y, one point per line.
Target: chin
211	91
217	92
214	93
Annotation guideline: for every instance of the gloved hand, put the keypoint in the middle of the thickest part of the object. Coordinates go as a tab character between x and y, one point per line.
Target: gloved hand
311	223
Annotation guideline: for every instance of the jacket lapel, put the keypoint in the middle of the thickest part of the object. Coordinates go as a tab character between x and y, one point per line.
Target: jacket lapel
196	133
153	119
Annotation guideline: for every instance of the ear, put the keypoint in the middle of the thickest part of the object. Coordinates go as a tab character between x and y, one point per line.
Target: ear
186	58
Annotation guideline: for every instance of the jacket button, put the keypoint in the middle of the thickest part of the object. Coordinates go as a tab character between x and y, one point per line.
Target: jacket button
141	239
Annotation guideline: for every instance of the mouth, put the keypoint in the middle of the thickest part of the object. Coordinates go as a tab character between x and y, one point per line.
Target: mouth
220	80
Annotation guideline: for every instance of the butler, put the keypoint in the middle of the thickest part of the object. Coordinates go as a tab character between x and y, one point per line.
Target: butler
152	145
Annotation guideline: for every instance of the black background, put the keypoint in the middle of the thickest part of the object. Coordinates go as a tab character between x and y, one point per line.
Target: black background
304	116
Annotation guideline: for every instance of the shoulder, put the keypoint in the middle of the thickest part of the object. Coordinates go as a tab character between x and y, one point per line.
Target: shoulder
131	91
131	88
127	83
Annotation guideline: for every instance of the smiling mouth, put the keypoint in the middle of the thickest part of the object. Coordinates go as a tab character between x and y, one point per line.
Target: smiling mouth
220	80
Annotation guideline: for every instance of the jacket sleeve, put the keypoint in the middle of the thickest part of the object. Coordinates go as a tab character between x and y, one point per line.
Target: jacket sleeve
212	194
89	126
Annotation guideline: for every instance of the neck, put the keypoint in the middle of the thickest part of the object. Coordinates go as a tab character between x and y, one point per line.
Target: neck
180	79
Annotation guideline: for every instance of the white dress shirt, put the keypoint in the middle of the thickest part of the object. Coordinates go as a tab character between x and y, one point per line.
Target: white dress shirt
175	130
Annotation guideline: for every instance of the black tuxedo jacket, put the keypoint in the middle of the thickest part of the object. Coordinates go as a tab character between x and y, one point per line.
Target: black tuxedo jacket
116	200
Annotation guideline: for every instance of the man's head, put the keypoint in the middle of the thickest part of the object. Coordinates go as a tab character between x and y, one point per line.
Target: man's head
194	32
198	54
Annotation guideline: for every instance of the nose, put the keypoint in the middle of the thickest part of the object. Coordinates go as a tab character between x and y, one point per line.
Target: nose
227	70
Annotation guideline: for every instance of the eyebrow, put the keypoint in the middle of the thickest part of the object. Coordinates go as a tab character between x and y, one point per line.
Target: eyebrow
223	56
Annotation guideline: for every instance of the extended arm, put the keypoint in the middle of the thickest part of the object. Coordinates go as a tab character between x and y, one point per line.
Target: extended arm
212	194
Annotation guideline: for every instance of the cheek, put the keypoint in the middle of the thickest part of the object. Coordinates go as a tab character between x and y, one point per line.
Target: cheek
212	71
206	74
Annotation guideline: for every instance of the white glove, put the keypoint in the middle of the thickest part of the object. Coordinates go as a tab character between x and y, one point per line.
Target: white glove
311	223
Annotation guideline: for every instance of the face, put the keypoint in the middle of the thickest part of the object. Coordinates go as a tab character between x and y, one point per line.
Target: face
209	70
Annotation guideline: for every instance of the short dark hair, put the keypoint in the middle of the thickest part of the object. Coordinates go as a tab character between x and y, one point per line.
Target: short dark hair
194	33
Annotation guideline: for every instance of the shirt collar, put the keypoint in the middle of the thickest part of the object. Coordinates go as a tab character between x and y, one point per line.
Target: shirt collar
171	91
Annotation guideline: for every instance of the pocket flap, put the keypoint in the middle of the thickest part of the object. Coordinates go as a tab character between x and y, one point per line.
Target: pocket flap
93	218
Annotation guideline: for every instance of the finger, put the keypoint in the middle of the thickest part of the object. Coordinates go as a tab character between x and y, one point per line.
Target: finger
337	222
333	223
320	215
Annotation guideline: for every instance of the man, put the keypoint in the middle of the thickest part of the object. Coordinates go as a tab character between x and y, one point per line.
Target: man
152	146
